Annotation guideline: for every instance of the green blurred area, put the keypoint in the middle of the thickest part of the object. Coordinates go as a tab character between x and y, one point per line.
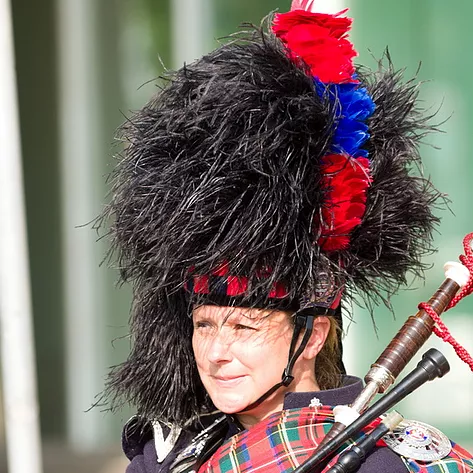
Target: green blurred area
429	39
133	49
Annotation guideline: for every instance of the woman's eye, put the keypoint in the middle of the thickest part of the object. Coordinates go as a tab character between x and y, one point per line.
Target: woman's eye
201	325
243	327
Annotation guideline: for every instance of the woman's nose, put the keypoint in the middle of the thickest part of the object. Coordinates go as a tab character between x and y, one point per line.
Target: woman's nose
219	349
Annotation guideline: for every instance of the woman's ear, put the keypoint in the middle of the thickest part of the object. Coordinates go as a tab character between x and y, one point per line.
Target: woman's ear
317	339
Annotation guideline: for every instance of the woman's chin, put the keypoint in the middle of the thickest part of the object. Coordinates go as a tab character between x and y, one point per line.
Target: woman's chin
231	405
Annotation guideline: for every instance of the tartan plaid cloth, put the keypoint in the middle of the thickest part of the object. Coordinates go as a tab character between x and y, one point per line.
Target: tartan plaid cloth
457	461
222	282
280	443
288	438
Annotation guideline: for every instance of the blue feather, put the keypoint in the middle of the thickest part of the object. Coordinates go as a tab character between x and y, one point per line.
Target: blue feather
353	106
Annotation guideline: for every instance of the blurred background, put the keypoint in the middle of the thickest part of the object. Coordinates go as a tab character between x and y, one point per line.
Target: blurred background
82	66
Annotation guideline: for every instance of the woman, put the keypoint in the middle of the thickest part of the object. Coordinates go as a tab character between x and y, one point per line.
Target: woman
265	185
231	347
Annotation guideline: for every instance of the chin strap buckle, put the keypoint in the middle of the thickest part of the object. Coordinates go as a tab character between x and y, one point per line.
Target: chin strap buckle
287	378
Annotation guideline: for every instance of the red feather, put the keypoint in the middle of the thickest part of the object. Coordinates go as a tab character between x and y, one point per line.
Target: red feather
346	180
320	40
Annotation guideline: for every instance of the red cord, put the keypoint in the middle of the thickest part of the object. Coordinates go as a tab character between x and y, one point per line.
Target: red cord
466	260
441	330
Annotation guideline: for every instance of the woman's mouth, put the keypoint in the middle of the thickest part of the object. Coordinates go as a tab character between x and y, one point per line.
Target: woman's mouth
228	381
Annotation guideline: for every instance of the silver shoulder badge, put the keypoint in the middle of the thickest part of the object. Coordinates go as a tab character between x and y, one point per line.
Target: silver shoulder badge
164	446
187	458
419	441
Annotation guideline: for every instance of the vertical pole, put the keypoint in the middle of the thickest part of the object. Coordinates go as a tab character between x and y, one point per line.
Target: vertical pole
191	30
17	343
329	6
81	171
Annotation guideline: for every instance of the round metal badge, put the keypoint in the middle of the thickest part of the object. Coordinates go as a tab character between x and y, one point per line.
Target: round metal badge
419	441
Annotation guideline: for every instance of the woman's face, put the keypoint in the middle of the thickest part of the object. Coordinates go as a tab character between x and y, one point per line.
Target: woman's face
241	353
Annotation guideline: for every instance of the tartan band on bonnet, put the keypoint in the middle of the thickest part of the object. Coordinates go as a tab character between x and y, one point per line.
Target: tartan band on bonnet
263	154
223	288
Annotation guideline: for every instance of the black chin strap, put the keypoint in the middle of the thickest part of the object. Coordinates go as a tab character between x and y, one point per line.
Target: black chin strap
304	318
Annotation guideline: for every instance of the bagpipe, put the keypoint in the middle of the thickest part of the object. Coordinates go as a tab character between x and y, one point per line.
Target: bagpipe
303	438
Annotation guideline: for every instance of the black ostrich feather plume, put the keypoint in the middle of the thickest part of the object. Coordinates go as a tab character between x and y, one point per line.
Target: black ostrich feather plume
224	164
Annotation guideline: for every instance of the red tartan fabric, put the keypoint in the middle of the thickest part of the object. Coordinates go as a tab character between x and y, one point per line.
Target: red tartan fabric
288	438
278	444
457	461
